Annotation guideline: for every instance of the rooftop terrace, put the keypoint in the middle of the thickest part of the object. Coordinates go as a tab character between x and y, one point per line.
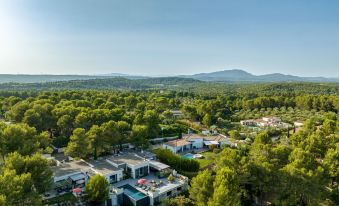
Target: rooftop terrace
154	184
103	167
128	158
66	168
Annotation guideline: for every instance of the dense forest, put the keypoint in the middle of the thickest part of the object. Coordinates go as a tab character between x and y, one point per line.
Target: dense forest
94	117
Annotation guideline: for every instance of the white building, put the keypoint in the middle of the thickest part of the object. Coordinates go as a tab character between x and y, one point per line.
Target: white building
103	167
249	122
271	119
65	170
177	146
298	124
195	141
134	165
176	113
268	121
152	192
123	190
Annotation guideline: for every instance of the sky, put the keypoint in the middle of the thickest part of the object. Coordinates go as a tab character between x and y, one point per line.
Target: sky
162	37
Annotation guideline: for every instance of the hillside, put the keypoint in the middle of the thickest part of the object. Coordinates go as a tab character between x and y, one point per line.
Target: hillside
234	75
240	75
121	83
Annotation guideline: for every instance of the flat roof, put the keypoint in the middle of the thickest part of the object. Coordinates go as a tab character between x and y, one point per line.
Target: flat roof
128	158
66	168
77	177
103	167
165	187
158	165
59	156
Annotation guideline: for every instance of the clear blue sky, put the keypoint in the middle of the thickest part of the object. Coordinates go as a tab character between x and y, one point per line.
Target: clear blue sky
169	37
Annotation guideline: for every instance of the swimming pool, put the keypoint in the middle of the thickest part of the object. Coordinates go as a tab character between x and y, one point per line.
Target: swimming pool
132	192
188	156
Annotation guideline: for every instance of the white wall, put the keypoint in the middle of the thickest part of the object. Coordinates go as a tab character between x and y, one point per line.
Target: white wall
197	143
56	179
134	167
118	173
173	149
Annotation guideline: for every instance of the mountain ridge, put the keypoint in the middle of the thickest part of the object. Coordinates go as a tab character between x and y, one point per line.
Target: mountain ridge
232	75
241	75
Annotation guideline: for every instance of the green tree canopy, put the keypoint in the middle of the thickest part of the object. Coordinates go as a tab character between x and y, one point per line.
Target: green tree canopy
78	147
97	189
201	188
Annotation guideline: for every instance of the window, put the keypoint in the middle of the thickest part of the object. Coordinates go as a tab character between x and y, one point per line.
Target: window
113	178
179	188
169	193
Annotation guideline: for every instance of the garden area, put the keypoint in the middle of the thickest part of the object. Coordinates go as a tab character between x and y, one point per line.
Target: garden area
207	160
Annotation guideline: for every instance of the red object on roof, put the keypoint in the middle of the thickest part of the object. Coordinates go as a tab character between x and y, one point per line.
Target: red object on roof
77	190
142	181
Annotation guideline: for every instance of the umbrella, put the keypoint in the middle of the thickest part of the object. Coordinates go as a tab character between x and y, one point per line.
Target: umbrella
142	181
77	190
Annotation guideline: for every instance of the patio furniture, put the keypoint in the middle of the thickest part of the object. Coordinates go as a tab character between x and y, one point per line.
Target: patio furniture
142	181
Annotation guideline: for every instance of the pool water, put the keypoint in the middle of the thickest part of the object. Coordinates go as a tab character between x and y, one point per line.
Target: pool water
132	192
188	156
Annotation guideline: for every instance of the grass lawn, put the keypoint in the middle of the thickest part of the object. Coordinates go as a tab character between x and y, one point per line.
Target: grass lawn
68	197
209	158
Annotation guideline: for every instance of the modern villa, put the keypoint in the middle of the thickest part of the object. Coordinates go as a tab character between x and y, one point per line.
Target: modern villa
268	121
195	141
134	180
134	165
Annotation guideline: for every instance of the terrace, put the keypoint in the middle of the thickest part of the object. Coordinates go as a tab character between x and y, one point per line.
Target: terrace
126	158
154	185
67	169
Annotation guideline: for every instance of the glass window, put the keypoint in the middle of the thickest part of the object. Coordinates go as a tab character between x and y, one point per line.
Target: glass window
113	178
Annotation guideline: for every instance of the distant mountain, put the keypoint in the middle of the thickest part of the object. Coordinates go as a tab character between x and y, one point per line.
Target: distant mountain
234	75
40	78
240	75
128	76
226	75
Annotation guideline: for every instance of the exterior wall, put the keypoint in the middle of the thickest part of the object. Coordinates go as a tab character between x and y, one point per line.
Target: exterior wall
118	173
298	124
173	149
197	143
272	119
159	197
135	167
205	132
179	149
248	123
262	124
56	179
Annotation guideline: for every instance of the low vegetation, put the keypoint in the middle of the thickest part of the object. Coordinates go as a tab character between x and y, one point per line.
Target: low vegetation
176	161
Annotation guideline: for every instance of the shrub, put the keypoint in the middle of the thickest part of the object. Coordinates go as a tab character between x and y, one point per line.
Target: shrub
216	150
170	178
177	162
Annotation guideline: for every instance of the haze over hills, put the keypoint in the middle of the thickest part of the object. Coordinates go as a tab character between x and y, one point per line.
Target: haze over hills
234	75
241	75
